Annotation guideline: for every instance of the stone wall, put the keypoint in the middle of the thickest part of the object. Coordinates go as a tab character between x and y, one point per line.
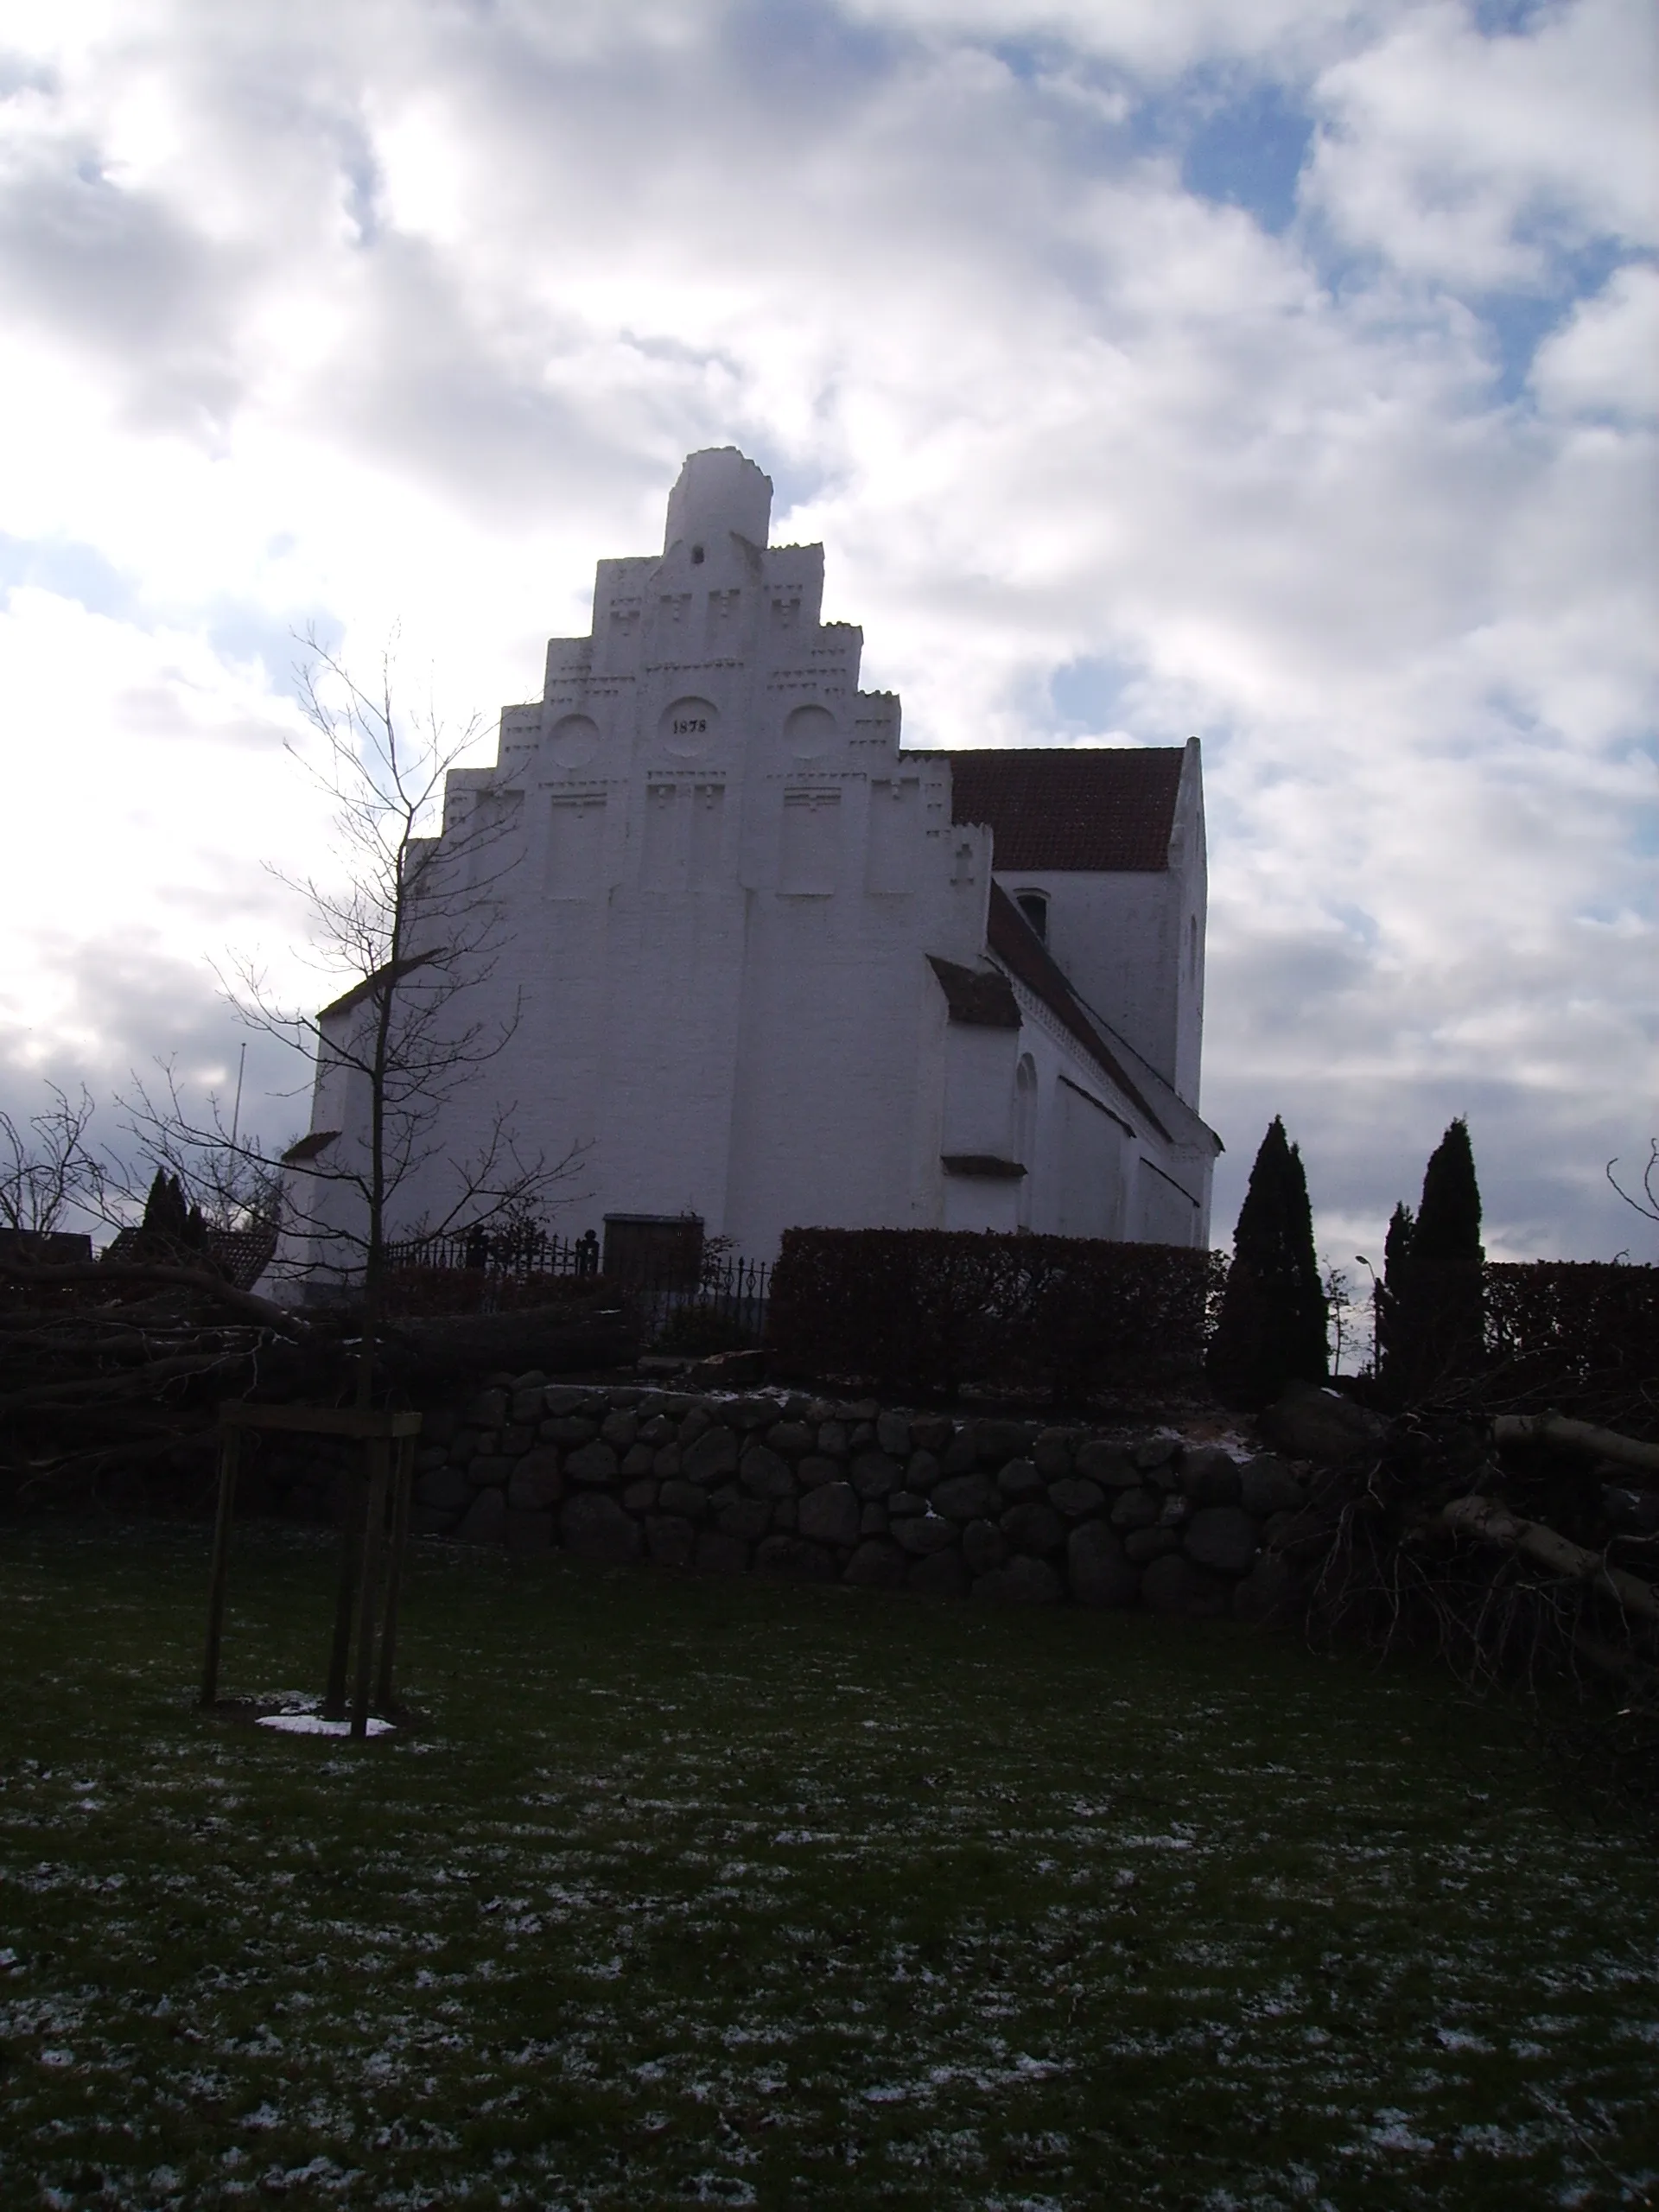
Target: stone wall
808	1490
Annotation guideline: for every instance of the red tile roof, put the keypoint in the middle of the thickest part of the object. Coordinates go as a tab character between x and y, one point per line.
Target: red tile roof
1085	807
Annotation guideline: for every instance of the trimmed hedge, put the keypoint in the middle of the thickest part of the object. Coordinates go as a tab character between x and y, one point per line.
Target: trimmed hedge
1581	1336
421	1291
922	1309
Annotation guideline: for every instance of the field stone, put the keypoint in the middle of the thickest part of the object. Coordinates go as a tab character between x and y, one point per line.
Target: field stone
1266	1486
961	1455
1223	1538
590	1463
697	1420
784	1514
515	1439
595	1527
1109	1465
1148	1451
1321	1425
1271	1595
1098	1569
1141	1546
829	1514
666	1463
875	1475
484	1521
747	1414
745	1518
967	1498
792	1438
900	1502
563	1398
983	1547
462	1447
1052	1453
1175	1511
657	1431
525	1407
620	1429
487	1410
568	1429
639	1460
922	1471
639	1497
997	1441
764	1473
445	1488
719	1553
1075	1497
931	1432
940	1575
794	1559
815	1471
873	1519
714	1454
921	1534
535	1483
1034	1528
1208	1475
1020	1481
833	1439
529	1532
682	1500
489	1471
670	1539
893	1434
1137	1508
1021	1582
876	1564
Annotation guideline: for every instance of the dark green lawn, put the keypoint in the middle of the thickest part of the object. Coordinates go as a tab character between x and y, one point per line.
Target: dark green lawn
724	1893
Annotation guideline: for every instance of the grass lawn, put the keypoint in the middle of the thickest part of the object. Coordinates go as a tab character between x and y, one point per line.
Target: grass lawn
696	1892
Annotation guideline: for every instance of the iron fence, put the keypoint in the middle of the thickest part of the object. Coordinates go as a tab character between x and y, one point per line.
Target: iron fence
721	1297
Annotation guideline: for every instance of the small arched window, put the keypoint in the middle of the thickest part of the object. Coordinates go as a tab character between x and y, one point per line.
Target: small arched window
1033	904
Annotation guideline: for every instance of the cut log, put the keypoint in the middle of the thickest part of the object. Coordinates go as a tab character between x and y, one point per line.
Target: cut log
1576	1436
1493	1523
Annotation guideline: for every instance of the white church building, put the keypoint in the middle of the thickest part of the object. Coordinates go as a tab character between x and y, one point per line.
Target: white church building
762	966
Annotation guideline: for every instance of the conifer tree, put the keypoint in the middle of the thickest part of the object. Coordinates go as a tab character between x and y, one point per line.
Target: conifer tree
1432	1316
1272	1326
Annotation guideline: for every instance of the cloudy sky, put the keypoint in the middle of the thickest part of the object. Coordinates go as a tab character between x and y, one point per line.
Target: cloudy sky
1281	371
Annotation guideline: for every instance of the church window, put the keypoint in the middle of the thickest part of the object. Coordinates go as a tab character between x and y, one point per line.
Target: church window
1033	904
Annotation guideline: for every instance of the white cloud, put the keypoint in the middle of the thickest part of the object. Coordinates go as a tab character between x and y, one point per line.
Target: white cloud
403	312
1467	158
1605	359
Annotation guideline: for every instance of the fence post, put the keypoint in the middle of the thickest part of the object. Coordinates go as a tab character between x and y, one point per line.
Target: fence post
374	1542
230	1439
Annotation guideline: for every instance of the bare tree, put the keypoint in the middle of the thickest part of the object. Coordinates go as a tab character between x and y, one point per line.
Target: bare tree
48	1167
1648	1204
410	928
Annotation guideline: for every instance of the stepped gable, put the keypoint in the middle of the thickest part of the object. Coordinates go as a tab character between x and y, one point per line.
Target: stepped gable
1092	808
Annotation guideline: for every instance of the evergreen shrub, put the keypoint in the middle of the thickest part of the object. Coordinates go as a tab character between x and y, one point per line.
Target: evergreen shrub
1271	1328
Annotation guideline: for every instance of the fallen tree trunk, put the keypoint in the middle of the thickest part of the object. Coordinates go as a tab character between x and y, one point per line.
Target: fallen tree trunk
1576	1436
202	1281
1493	1523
